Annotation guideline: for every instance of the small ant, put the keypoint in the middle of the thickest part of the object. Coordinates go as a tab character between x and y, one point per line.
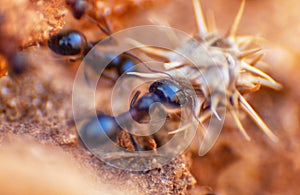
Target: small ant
78	7
165	91
13	65
74	43
70	42
16	63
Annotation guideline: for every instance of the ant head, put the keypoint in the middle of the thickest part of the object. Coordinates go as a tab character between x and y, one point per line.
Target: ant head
170	92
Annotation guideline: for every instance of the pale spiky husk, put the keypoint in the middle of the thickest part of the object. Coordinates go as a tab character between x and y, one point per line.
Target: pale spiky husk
229	58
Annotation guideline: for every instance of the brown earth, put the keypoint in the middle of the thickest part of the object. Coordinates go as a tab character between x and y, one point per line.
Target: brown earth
40	151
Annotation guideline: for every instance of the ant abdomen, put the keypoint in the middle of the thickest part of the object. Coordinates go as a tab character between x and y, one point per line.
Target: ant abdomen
74	43
98	130
70	42
78	7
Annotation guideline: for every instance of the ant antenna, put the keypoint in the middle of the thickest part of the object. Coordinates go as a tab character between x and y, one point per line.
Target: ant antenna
106	29
146	66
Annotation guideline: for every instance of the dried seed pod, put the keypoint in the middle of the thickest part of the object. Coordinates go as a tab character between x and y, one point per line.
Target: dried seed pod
227	58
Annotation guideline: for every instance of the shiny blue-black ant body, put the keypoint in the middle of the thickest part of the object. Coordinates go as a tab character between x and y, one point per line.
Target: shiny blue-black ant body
165	91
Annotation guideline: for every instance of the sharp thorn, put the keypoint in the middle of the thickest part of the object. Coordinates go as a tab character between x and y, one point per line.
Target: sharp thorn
255	70
256	118
201	24
256	59
239	124
232	31
248	53
150	50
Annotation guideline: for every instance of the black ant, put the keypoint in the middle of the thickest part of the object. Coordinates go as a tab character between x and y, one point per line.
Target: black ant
74	43
166	92
15	65
16	62
70	42
78	7
93	136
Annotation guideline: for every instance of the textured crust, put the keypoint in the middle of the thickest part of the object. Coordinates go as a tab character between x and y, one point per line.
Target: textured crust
38	110
27	21
37	105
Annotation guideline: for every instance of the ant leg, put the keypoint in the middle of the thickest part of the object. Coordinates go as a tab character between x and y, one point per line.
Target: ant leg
72	60
135	145
104	74
136	95
106	28
31	44
108	25
108	76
